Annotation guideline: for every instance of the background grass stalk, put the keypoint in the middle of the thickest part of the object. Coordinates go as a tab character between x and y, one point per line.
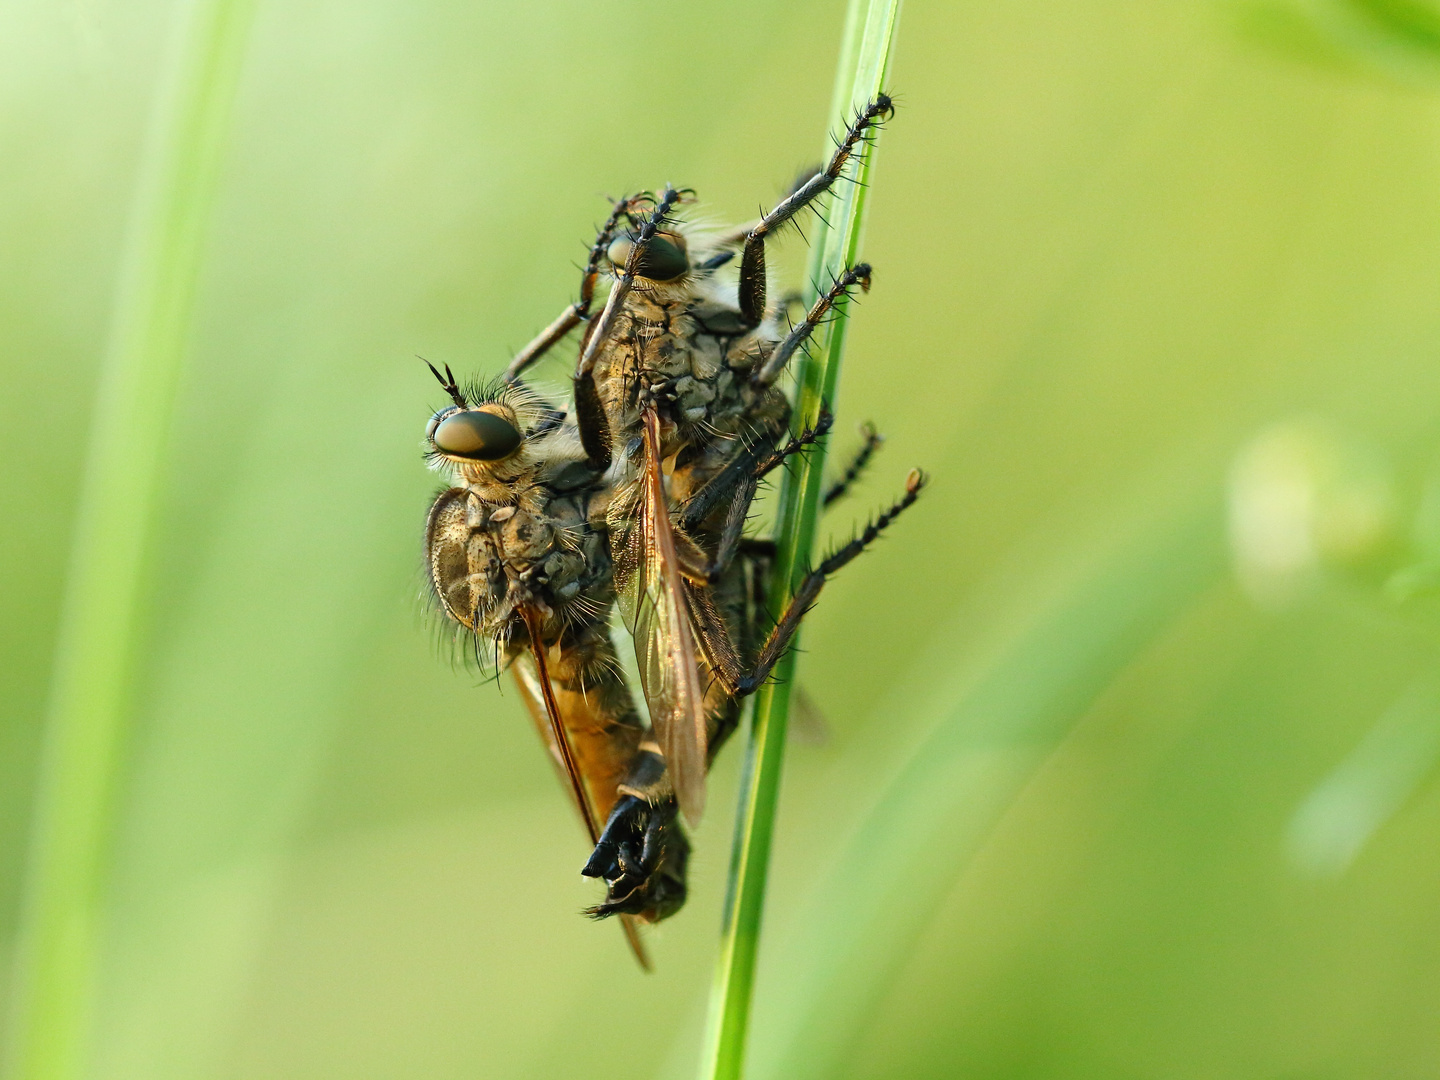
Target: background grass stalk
864	66
113	536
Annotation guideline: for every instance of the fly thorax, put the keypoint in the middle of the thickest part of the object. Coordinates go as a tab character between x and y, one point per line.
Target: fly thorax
522	536
563	573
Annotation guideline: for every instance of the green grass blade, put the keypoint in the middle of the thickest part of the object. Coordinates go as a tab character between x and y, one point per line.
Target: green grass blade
120	493
997	719
864	65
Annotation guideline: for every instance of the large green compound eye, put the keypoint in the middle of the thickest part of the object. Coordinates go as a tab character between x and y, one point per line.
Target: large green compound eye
664	258
479	436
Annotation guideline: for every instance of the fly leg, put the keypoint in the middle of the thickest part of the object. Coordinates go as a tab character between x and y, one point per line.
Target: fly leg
732	541
752	261
579	311
721	652
739	512
870	441
745	470
859	274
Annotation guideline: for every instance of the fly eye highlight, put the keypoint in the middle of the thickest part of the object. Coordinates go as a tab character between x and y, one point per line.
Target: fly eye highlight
476	435
664	259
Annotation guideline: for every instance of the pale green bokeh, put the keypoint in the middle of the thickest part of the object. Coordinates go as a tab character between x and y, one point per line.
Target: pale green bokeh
1133	719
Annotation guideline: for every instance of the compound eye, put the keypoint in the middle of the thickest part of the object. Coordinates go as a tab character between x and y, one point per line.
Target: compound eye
435	422
479	436
664	258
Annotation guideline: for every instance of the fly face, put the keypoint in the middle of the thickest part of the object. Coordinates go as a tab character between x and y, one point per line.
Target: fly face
513	534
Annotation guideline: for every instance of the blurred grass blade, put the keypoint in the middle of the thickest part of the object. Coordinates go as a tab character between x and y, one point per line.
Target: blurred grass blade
120	491
1335	821
995	723
864	64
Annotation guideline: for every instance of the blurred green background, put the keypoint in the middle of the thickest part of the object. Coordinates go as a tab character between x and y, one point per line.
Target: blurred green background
1133	722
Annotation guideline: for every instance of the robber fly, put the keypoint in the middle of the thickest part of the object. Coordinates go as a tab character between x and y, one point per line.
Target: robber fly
643	487
514	560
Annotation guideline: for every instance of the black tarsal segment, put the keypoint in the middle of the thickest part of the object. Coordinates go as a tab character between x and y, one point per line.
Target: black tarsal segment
870	442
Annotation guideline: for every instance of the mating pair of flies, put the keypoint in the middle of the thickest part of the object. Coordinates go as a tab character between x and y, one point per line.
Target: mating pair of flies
638	493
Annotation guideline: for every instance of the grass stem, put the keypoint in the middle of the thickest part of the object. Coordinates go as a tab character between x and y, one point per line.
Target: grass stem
864	66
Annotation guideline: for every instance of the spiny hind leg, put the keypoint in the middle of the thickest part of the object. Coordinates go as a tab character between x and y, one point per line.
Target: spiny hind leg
810	586
752	260
870	441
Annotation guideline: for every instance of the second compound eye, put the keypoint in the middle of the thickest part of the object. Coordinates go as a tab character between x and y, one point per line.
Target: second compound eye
664	259
479	436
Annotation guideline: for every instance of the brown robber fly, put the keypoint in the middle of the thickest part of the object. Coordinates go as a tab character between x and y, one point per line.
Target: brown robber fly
642	489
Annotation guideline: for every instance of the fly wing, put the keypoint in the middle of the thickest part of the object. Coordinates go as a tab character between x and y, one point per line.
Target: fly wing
559	739
533	681
652	602
528	680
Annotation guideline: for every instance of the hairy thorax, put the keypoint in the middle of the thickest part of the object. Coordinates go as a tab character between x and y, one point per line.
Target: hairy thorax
536	550
693	357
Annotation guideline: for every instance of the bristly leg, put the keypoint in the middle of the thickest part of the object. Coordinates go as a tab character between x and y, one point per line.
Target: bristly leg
752	262
577	312
858	274
805	596
870	442
739	512
754	462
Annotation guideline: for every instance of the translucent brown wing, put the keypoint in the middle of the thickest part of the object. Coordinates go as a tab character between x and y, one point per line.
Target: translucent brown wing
559	737
652	602
539	698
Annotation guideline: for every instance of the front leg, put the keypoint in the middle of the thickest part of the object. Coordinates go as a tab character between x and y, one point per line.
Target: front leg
752	262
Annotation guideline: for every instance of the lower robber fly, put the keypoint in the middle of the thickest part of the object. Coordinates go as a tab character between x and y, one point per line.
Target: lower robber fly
516	557
513	559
